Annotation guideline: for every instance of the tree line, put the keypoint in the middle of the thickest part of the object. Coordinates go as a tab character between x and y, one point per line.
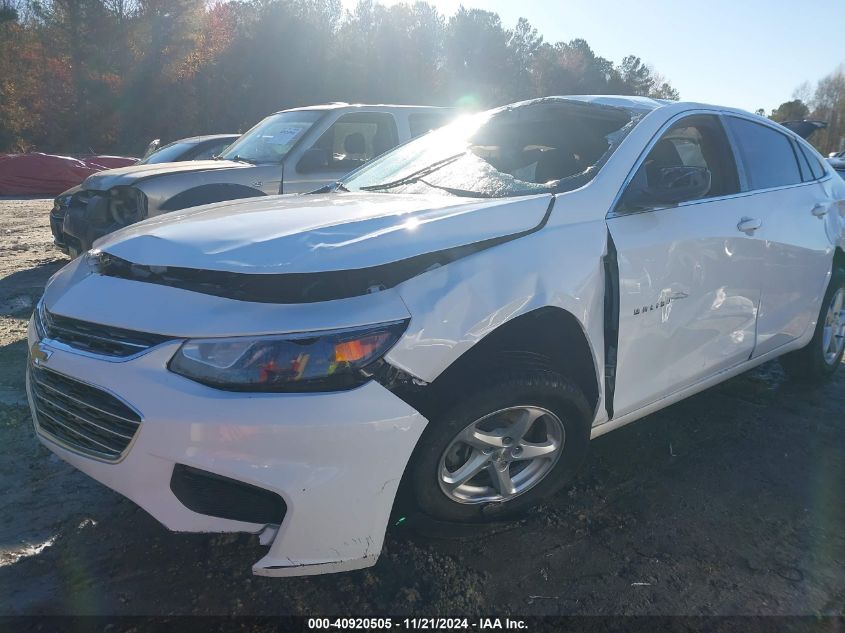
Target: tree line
110	75
824	101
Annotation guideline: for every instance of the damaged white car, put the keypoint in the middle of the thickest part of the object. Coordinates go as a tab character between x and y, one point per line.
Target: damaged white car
458	317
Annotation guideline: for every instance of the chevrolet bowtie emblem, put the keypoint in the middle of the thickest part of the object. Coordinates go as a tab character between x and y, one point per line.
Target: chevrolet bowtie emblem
39	353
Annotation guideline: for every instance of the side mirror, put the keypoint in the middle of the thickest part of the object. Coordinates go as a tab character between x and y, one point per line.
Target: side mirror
674	185
153	146
313	159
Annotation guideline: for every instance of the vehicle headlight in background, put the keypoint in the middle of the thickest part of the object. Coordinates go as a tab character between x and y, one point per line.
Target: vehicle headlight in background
61	203
127	205
329	360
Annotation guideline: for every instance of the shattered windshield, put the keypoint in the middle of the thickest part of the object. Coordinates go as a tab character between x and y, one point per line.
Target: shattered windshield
535	148
272	138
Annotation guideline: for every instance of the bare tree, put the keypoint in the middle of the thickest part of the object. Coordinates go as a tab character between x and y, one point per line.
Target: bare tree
829	105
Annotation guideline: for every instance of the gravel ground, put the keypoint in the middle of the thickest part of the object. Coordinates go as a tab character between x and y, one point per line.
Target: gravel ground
727	503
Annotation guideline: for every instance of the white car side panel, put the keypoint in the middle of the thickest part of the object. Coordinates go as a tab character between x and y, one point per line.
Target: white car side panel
454	307
834	188
689	291
701	385
796	262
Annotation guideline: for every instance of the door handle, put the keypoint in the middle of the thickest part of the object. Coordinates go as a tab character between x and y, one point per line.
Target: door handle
820	210
749	225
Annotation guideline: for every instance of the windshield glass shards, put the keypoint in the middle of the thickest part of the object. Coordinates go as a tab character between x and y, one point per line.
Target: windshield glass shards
546	146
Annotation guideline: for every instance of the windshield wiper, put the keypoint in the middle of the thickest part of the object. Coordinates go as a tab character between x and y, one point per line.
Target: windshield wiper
331	188
414	177
464	193
469	193
241	159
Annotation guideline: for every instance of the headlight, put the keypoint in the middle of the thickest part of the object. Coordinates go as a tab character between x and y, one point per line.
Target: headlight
330	360
127	205
61	203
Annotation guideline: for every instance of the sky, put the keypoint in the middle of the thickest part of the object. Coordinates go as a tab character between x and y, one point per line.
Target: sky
747	53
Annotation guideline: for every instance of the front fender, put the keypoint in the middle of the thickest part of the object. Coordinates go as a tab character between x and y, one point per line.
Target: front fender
455	306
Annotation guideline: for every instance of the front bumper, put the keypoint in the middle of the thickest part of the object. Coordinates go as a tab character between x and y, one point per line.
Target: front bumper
80	231
57	218
336	459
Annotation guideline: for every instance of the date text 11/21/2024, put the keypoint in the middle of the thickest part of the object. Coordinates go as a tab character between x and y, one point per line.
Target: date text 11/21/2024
435	624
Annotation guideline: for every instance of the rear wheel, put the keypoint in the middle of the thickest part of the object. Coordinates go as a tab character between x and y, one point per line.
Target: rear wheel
823	355
502	449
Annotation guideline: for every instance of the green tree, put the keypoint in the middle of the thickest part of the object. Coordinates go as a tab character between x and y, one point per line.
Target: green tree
636	75
829	105
109	75
477	61
795	110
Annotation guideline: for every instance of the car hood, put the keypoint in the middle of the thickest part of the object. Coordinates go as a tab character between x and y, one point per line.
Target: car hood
123	176
320	232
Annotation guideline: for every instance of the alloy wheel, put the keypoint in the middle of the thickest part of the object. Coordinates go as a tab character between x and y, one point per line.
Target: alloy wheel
501	455
833	334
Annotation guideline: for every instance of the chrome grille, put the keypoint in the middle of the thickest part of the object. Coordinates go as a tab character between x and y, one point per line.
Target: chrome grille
80	416
94	337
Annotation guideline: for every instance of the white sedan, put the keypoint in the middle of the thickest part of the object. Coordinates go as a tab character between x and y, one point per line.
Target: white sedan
456	319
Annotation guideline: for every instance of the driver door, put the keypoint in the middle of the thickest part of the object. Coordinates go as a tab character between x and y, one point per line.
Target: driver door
351	141
689	278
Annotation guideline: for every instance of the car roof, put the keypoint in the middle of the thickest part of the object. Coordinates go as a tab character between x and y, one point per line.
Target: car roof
339	105
634	104
631	103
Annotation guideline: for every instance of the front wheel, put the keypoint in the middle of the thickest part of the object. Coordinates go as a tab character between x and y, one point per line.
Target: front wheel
502	449
823	355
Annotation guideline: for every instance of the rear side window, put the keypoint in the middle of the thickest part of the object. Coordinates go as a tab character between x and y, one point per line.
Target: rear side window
766	154
423	122
803	165
815	166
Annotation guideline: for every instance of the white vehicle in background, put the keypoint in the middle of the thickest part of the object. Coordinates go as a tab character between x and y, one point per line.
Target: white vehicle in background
837	161
461	315
293	151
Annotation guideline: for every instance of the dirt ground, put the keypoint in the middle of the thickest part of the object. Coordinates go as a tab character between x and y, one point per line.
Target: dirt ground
730	502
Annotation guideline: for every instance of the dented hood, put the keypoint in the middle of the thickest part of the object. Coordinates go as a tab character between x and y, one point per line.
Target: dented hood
125	176
319	233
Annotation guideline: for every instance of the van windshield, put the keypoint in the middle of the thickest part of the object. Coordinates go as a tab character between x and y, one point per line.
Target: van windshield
272	138
517	151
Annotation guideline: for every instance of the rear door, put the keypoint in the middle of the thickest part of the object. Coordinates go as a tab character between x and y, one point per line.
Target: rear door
689	277
786	194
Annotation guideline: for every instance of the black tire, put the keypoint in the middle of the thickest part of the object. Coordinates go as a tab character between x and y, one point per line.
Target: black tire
808	364
535	388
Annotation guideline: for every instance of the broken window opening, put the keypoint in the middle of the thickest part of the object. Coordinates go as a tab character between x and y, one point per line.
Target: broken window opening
543	147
